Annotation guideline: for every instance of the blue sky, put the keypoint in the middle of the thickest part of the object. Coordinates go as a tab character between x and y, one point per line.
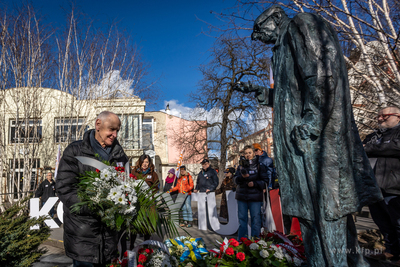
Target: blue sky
168	32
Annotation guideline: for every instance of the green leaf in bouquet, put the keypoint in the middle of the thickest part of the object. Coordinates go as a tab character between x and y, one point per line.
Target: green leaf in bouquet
119	221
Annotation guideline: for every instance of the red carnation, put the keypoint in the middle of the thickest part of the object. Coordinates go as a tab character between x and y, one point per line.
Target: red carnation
97	170
124	263
141	250
240	256
147	251
248	242
142	258
132	176
234	242
125	254
243	239
229	251
139	265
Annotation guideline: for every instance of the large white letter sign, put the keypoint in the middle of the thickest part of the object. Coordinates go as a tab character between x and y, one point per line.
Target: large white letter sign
36	212
201	199
233	223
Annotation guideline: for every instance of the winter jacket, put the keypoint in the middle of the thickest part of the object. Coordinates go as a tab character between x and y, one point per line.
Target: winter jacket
168	186
268	163
45	190
151	179
207	179
185	184
385	146
85	237
258	175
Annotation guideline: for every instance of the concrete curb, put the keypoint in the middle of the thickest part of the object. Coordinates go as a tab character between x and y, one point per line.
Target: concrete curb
54	243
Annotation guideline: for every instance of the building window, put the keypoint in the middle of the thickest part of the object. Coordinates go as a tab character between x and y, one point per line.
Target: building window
147	134
16	183
129	133
69	130
20	132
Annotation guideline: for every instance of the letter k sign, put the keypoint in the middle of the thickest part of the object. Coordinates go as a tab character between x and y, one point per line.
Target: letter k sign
36	212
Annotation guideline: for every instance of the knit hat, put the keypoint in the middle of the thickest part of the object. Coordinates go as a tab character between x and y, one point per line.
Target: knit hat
172	171
257	146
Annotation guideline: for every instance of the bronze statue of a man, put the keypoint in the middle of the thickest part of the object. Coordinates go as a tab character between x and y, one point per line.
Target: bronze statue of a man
324	174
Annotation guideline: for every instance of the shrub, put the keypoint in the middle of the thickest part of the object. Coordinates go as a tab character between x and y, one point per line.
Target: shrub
19	246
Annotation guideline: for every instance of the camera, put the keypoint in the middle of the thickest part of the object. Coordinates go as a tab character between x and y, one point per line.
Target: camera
245	163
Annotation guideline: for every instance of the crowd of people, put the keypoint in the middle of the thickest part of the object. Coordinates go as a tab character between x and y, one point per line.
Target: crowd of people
88	243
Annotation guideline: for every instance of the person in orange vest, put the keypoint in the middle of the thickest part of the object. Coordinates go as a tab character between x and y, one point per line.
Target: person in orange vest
185	186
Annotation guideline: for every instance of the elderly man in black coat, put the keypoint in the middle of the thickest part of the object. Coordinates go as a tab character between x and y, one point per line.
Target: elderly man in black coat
86	240
324	174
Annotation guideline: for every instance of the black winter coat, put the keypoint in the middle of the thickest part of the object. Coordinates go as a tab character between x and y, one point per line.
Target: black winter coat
207	179
258	175
85	237
45	190
385	146
268	163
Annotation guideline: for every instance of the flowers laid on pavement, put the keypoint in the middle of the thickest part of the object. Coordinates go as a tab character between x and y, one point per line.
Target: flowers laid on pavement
271	249
189	251
147	257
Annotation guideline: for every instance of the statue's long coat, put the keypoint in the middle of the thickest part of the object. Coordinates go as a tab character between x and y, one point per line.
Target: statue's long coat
311	87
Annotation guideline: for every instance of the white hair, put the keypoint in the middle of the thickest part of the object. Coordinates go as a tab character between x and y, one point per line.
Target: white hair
394	108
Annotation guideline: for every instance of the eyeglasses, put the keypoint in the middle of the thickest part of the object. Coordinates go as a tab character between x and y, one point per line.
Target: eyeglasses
386	116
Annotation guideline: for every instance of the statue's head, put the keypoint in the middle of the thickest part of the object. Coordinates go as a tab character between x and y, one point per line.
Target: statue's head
267	25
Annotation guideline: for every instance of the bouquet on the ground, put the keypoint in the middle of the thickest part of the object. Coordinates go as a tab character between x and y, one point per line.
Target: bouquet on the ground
121	200
271	249
149	257
189	251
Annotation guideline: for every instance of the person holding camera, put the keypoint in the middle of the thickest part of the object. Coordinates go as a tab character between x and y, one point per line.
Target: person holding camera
251	178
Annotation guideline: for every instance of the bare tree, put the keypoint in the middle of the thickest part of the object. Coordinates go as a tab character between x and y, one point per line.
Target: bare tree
369	33
229	114
84	67
24	66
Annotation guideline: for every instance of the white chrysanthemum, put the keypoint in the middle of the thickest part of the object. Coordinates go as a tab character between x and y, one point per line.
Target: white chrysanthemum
253	246
263	243
106	174
126	186
131	209
264	253
120	200
114	193
132	198
297	261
